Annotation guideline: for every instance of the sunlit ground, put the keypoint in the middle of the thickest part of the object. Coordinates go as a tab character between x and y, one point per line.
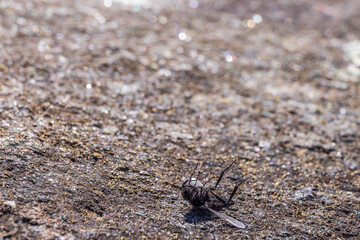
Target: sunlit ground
107	106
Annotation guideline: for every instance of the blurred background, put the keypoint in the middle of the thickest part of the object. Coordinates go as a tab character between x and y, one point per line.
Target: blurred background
106	106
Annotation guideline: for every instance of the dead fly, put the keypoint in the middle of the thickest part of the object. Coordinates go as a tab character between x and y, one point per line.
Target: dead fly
201	196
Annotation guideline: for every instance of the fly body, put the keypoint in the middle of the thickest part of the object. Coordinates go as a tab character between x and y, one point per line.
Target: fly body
199	195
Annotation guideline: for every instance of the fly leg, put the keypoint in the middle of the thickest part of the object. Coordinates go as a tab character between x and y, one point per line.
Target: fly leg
235	189
222	174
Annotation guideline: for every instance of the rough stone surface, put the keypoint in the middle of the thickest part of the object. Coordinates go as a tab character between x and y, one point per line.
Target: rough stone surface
107	106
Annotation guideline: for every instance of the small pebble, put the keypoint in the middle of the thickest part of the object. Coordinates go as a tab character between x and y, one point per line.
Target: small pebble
10	203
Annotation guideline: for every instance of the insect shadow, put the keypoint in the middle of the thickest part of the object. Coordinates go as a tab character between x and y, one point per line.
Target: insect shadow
197	215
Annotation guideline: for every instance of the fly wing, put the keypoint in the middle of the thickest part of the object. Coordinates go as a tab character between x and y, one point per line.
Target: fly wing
227	218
